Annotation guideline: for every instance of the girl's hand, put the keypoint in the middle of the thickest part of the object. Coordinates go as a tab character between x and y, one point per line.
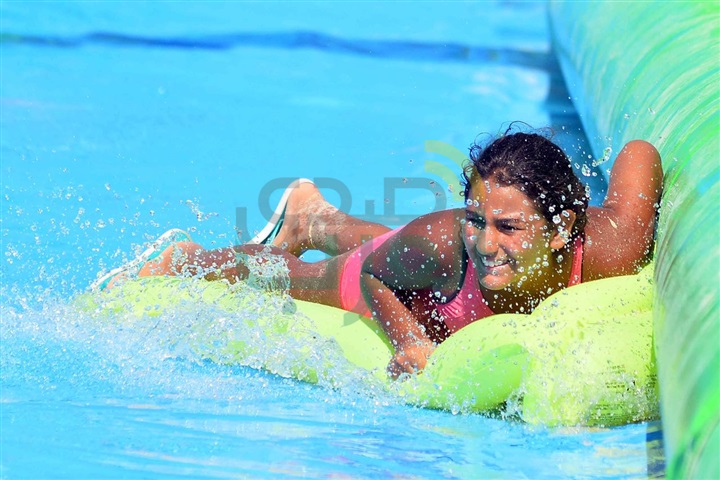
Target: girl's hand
410	358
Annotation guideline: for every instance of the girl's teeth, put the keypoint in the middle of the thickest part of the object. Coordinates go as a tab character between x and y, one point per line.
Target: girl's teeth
492	264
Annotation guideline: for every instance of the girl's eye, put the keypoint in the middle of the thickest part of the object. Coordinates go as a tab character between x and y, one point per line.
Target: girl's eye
475	223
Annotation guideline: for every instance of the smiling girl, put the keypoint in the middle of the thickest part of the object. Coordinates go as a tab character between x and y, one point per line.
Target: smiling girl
526	232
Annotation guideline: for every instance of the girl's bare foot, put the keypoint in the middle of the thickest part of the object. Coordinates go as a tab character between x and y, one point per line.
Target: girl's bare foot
166	262
305	215
159	266
311	223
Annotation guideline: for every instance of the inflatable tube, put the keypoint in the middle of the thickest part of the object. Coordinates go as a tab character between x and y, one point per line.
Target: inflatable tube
650	70
583	357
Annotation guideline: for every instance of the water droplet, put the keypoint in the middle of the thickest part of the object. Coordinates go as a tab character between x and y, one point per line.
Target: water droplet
586	170
556	219
607	152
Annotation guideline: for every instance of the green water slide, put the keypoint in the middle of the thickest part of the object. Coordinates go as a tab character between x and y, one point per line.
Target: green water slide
651	70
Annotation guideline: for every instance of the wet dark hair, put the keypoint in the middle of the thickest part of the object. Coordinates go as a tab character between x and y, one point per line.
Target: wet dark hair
536	166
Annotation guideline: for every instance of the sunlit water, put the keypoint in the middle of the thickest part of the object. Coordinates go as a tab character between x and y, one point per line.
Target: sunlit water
119	123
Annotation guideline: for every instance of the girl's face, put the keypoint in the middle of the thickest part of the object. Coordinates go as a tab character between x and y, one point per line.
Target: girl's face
506	237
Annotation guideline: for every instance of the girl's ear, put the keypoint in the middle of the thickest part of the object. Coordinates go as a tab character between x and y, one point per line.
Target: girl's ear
563	230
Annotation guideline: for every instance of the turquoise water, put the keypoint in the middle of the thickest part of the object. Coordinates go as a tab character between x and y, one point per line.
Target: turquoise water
121	120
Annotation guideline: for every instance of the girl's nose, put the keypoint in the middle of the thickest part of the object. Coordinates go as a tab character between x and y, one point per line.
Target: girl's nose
486	243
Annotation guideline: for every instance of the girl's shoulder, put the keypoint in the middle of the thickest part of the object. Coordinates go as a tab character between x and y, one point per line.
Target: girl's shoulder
440	231
431	239
434	238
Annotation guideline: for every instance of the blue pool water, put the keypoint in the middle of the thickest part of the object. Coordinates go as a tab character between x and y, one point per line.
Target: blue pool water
123	119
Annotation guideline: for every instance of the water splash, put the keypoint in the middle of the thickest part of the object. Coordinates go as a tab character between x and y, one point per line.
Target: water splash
66	349
195	209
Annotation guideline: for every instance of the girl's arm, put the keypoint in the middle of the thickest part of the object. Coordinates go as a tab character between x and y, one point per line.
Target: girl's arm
412	344
619	235
409	263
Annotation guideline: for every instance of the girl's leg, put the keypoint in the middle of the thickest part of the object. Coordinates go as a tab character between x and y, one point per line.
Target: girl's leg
313	282
312	223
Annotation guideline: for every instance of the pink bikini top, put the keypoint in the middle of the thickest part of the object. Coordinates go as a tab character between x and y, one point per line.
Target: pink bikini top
469	305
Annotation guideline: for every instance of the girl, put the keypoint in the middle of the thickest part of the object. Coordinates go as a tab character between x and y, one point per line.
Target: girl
526	232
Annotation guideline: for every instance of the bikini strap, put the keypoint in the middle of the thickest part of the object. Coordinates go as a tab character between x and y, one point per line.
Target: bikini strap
576	270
